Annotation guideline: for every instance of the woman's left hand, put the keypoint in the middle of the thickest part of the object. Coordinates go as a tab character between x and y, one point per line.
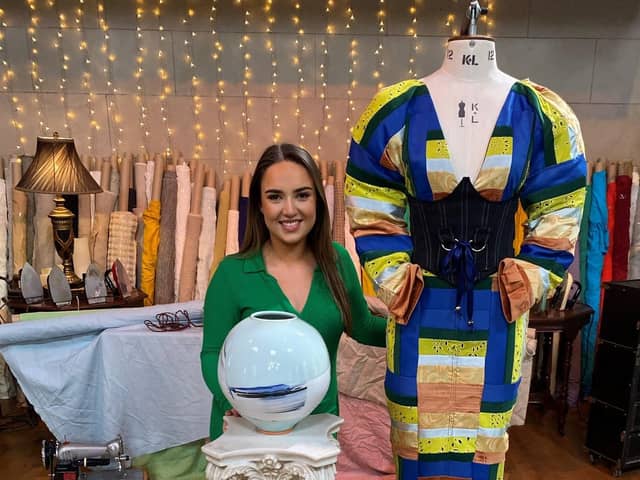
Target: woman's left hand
377	306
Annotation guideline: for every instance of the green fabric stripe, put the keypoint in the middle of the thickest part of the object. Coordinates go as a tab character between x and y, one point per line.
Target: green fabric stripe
366	177
554	191
401	399
446	457
435	135
437	282
493	471
462	335
497	407
546	264
511	340
408	175
389	107
503	131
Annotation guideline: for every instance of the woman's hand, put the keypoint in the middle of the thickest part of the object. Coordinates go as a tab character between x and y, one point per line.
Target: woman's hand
229	413
377	306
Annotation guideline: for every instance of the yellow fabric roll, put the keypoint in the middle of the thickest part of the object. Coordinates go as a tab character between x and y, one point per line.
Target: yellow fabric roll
221	228
151	240
367	285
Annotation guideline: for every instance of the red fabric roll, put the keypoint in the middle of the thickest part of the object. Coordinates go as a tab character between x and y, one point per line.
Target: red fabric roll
620	254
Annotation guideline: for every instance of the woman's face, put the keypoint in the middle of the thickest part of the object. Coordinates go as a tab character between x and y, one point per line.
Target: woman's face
288	203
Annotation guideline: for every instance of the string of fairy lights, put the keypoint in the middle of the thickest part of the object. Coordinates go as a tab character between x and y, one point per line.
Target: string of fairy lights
94	126
273	85
139	76
8	74
36	77
339	25
163	73
216	52
190	61
63	60
115	123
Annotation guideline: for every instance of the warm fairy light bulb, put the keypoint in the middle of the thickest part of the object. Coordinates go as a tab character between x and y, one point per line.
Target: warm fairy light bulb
353	59
297	61
246	77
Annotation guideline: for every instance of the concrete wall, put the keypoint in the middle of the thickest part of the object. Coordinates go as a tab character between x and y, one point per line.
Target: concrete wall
587	51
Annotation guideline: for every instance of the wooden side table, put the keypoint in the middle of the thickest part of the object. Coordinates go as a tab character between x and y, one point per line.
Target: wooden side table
568	323
79	302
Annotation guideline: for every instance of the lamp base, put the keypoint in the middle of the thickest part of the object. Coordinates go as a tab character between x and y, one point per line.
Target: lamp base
62	222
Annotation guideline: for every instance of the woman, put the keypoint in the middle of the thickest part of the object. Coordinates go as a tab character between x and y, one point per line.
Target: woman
287	262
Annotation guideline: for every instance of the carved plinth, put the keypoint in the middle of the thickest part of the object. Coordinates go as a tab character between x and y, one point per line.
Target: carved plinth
308	452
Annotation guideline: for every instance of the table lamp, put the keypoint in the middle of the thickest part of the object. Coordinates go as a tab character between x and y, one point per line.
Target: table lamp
56	168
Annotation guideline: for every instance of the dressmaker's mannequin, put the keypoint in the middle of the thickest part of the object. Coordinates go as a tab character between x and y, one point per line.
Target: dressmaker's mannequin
468	92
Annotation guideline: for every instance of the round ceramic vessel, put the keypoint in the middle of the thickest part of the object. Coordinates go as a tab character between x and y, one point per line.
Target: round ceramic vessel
274	369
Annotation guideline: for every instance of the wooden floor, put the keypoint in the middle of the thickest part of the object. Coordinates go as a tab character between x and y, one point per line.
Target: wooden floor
536	452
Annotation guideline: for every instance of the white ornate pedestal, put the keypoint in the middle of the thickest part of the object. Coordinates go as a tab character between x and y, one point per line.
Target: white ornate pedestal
309	452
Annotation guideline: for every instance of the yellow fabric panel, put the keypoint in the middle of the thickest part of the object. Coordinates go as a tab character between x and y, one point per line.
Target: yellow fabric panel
500	146
220	244
437	149
391	344
402	413
356	188
447	445
150	242
518	351
495	420
520	220
549	205
383	97
441	181
432	346
492	178
376	266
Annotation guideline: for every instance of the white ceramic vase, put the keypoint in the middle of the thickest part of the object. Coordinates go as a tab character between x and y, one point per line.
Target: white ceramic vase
274	369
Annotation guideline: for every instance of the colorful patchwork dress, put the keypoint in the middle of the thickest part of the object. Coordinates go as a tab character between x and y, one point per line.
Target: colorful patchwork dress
457	329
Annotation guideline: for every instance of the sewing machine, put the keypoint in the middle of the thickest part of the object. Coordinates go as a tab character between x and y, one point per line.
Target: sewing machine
69	460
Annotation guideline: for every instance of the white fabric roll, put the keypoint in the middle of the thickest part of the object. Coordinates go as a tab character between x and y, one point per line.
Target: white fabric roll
99	241
97	175
43	246
183	206
233	244
148	179
207	241
140	182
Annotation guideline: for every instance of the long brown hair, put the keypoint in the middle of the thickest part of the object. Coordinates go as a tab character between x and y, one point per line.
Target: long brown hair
318	239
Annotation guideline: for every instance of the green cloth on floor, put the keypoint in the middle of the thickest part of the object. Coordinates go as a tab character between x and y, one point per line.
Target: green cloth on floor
184	462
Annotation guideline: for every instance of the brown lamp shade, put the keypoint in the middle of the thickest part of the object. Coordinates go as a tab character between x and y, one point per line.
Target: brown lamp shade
56	168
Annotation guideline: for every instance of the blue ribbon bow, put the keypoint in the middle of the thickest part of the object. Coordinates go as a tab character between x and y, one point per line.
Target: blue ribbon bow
459	262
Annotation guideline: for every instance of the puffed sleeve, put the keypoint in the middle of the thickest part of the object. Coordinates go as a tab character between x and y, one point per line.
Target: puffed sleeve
553	196
376	190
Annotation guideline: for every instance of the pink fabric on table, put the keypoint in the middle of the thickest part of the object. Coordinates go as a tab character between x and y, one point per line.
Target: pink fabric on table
364	441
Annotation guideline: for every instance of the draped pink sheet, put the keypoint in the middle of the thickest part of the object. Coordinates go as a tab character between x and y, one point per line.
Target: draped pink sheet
364	435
